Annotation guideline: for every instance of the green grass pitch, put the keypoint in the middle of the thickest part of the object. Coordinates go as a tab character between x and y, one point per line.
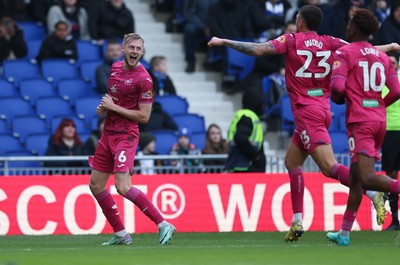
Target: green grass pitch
367	247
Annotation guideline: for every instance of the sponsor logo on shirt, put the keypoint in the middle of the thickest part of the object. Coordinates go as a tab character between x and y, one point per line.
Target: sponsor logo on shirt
113	88
370	103
128	82
315	92
147	95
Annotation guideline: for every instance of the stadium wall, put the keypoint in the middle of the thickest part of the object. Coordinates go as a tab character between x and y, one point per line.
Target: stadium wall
63	204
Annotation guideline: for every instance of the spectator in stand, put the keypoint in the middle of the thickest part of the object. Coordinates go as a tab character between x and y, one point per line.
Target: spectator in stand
91	142
228	18
14	8
185	147
115	20
215	144
58	44
65	142
147	144
76	18
390	28
40	8
113	54
268	17
92	8
12	42
162	83
159	120
195	30
381	10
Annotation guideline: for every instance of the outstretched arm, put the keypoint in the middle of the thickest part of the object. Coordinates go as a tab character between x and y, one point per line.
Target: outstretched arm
392	47
249	48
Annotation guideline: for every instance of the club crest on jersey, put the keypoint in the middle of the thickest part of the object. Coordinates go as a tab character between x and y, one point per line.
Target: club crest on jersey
336	64
281	39
128	82
113	89
147	95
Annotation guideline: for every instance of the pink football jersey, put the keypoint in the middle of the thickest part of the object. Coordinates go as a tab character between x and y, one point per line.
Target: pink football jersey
128	88
366	70
309	57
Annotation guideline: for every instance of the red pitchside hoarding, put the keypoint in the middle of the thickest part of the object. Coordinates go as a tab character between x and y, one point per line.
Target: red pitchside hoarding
193	203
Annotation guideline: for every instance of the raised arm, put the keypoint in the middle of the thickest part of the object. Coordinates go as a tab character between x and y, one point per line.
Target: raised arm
392	47
249	48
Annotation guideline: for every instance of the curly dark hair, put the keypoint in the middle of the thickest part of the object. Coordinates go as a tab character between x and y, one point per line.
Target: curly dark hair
312	15
365	21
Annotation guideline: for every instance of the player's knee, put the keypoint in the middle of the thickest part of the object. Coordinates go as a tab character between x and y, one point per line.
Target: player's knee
95	187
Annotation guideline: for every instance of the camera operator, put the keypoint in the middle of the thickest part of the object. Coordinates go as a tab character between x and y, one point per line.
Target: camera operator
12	42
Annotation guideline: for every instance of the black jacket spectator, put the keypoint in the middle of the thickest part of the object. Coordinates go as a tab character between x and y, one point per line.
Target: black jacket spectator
12	42
58	45
159	120
165	81
114	22
390	28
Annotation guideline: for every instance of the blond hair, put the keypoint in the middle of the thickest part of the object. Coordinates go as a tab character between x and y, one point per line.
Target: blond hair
132	36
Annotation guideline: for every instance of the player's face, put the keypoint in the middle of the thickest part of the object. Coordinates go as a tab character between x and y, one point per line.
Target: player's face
133	51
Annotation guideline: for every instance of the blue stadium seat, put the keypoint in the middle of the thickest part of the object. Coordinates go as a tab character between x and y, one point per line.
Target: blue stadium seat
339	142
287	115
22	126
32	30
13	106
17	70
20	164
4	127
37	143
73	88
173	104
9	143
88	72
342	123
164	141
271	109
87	51
7	89
48	107
85	108
239	64
199	140
55	69
81	126
32	89
33	49
194	122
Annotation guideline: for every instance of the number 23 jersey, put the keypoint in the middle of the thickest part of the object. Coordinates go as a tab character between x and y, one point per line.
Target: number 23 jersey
309	59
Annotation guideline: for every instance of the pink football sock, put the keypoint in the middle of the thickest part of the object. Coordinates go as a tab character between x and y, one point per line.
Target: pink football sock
348	220
110	210
340	173
297	189
394	187
144	204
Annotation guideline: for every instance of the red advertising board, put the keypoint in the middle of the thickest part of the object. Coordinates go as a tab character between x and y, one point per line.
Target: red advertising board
193	203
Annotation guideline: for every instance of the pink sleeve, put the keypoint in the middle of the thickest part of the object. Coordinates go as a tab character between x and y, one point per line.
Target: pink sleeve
146	90
394	90
339	76
281	44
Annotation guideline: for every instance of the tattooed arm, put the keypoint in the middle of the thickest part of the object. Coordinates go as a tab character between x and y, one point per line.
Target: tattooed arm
249	48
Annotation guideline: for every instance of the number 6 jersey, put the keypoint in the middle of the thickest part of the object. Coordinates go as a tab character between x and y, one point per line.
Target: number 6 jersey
308	66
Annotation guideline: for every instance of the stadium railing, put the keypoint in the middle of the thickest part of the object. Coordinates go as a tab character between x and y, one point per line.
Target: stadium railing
275	164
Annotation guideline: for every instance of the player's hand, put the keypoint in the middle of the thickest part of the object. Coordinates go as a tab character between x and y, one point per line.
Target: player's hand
107	102
100	110
215	42
395	47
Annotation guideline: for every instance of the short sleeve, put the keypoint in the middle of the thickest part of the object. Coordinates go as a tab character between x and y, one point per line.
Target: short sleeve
340	66
337	43
146	94
282	43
